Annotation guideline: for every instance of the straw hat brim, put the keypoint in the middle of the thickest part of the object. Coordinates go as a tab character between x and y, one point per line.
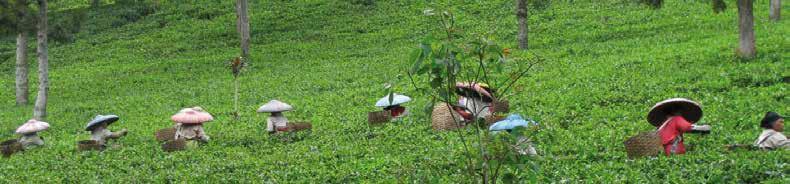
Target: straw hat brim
690	110
109	119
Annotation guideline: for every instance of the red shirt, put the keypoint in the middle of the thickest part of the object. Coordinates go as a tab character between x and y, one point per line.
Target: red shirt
397	111
674	129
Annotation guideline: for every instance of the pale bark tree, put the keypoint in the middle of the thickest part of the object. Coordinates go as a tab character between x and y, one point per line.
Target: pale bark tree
523	27
776	8
22	92
746	47
243	27
40	109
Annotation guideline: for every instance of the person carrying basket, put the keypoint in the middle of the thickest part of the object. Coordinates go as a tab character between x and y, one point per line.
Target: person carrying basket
674	117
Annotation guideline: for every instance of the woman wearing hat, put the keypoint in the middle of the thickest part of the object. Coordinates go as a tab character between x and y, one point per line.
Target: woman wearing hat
772	138
477	98
673	117
99	131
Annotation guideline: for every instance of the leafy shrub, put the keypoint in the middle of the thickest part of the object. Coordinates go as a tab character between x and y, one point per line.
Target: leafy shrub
65	26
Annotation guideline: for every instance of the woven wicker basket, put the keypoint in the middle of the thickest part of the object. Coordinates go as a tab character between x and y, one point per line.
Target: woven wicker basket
10	147
299	126
379	117
490	120
442	118
501	106
644	144
89	145
167	134
175	145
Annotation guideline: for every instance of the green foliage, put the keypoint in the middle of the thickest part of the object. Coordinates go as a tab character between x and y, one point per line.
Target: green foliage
656	4
16	16
65	26
610	61
718	6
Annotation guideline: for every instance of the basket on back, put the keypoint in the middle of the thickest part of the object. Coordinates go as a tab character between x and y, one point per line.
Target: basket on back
175	145
299	126
445	118
89	145
10	147
167	134
379	117
644	144
502	106
490	120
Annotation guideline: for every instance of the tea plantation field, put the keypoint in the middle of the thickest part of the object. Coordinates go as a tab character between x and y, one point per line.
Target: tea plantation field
606	63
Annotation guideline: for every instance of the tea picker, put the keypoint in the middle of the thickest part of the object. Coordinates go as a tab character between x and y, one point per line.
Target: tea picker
189	124
392	103
98	127
29	132
476	98
674	117
523	145
277	122
771	137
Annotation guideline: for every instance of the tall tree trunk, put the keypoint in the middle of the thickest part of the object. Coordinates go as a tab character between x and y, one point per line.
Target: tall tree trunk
22	91
746	48
523	27
776	8
243	27
95	3
40	110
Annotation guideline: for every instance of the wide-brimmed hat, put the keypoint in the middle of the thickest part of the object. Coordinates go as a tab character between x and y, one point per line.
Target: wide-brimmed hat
191	116
32	126
275	106
690	110
397	99
99	119
511	122
478	90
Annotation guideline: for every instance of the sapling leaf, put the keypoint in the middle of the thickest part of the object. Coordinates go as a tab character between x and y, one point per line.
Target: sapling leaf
391	96
417	57
443	94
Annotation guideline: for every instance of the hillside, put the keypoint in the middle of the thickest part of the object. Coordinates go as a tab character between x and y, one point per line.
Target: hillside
607	63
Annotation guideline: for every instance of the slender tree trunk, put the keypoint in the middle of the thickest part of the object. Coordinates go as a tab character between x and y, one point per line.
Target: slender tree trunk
776	8
22	92
95	3
236	97
243	27
746	48
523	27
40	110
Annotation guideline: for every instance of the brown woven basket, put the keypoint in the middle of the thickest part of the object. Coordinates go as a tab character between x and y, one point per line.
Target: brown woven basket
490	120
89	145
175	145
442	118
10	147
379	117
501	106
644	144
299	126
167	134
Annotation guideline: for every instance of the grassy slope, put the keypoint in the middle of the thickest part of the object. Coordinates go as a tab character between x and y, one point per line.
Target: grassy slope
609	62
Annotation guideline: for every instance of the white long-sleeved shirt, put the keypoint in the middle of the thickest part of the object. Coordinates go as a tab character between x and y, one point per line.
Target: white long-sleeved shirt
772	139
276	121
478	107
